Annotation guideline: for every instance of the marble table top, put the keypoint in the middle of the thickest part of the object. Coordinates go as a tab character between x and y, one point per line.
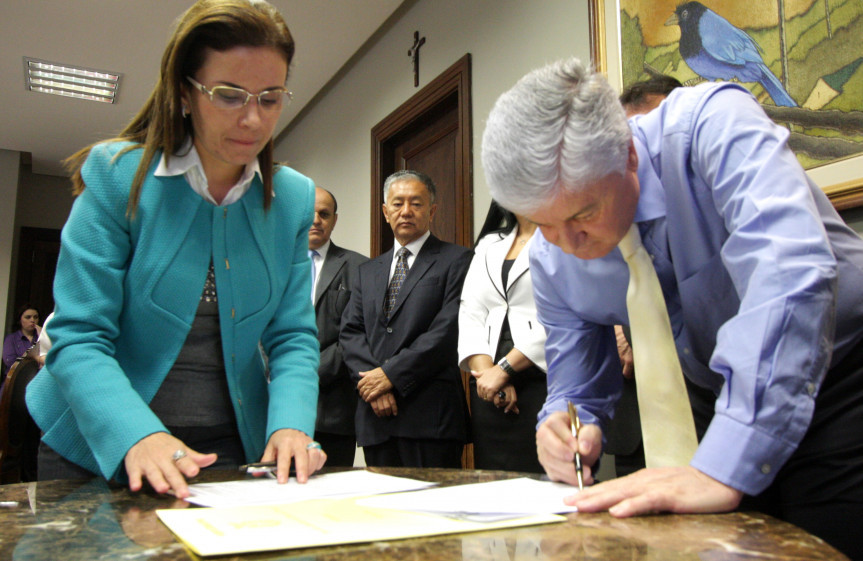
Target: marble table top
94	520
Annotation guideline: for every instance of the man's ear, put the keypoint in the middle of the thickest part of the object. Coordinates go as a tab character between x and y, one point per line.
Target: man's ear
632	158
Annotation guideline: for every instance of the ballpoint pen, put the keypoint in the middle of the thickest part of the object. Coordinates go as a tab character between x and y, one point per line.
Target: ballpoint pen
575	425
258	468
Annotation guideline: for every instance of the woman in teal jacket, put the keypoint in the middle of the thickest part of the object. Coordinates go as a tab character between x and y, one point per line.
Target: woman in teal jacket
184	255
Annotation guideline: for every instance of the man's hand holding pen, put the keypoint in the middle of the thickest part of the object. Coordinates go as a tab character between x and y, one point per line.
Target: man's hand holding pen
575	427
556	448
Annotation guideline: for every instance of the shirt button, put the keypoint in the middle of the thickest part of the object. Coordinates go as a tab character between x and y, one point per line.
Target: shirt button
810	389
765	468
686	350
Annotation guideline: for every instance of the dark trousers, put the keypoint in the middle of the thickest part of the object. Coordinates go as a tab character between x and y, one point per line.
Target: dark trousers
820	488
340	448
414	452
223	440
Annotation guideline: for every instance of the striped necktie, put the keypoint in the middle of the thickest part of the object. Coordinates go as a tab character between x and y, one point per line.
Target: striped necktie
396	282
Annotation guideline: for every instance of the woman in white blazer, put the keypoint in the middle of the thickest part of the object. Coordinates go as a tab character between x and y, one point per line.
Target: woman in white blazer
503	345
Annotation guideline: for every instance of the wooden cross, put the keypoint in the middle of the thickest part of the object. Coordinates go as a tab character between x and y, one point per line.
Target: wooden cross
414	53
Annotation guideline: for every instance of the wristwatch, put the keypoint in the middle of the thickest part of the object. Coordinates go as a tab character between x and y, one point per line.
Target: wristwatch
506	366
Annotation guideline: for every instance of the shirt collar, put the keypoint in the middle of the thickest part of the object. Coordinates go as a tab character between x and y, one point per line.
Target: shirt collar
415	246
322	251
187	162
651	196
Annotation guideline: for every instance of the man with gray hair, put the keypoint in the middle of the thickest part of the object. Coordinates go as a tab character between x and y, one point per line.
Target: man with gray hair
763	284
399	337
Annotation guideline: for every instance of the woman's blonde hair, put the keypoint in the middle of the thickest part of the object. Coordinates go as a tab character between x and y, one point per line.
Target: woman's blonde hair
160	124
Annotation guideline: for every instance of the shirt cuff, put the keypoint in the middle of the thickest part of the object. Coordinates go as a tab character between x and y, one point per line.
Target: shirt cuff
740	455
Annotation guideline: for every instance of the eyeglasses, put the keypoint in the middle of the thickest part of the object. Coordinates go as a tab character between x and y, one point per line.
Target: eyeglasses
229	97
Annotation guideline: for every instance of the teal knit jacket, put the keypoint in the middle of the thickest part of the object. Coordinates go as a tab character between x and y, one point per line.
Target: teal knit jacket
126	292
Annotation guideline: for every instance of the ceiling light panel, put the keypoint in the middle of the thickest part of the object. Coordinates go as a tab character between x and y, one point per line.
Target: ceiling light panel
70	81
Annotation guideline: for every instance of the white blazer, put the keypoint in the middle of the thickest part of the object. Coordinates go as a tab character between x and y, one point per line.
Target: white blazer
485	302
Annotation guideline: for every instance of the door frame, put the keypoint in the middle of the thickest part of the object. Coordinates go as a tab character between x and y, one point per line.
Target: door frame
456	78
29	239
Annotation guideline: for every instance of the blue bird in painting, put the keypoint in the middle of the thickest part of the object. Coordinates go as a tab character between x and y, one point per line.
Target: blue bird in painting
716	50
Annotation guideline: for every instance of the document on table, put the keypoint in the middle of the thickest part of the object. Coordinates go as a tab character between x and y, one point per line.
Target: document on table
319	522
494	500
267	491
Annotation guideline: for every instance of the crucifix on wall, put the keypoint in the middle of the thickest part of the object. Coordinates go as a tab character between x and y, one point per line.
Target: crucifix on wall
414	53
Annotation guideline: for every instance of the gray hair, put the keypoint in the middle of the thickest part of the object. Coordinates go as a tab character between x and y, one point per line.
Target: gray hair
410	174
559	128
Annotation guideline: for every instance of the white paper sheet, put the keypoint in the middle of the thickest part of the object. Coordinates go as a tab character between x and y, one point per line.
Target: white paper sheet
267	491
319	522
483	501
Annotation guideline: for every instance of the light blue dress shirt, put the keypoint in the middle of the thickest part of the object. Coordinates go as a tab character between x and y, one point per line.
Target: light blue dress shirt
763	282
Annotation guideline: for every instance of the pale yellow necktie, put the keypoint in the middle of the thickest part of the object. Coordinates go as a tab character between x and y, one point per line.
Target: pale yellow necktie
667	427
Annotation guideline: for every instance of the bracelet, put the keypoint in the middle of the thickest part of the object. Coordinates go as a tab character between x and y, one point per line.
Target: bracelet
506	366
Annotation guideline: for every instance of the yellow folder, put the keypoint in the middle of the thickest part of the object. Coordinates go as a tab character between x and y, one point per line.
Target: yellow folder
314	523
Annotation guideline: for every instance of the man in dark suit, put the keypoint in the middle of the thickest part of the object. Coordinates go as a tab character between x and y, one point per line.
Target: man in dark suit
399	337
335	268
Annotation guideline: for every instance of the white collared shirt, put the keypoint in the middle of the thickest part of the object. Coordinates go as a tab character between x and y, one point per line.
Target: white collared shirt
188	163
414	247
318	263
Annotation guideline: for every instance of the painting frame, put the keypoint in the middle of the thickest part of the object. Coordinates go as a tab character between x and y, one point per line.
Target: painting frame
842	180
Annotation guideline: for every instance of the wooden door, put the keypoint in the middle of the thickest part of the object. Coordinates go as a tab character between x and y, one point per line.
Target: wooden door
37	262
431	133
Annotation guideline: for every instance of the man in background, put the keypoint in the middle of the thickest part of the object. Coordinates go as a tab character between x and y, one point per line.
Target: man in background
400	337
334	268
642	97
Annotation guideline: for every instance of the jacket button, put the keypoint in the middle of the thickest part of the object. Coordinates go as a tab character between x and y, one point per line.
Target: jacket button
389	329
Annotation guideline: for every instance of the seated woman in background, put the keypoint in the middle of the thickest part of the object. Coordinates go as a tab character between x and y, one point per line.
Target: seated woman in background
503	345
20	341
185	248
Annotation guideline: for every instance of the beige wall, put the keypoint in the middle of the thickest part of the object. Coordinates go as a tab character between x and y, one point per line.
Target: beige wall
8	196
331	142
33	201
33	193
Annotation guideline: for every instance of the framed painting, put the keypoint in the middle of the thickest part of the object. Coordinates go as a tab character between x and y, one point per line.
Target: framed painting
802	59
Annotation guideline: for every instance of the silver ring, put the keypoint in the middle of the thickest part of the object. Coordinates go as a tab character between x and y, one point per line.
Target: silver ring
501	394
178	455
313	445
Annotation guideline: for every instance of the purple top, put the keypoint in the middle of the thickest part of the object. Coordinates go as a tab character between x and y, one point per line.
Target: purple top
15	345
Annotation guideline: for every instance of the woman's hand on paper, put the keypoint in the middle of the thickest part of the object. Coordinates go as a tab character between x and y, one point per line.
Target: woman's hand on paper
288	445
165	462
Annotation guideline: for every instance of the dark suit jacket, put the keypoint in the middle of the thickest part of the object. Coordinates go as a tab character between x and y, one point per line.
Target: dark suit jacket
417	347
337	401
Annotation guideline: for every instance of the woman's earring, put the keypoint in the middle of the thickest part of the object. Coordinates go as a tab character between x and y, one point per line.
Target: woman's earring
185	111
